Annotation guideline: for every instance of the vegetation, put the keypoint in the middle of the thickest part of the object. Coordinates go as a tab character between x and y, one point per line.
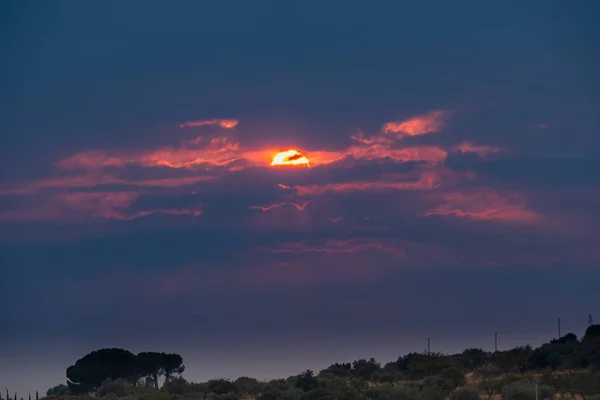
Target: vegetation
564	368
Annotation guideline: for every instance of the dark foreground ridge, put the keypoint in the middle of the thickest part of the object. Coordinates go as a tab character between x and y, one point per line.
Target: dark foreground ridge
563	368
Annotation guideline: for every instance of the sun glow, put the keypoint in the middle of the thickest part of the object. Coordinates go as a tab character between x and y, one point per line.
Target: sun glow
290	157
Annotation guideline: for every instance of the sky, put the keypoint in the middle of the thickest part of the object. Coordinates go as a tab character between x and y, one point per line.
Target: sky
451	191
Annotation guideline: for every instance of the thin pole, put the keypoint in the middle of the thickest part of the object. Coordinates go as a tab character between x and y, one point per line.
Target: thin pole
428	345
559	329
495	342
536	392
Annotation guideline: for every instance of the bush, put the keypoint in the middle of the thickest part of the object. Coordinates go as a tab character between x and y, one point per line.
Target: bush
385	376
156	395
177	385
112	387
526	391
466	393
275	394
110	396
455	375
221	386
58	390
222	396
386	393
248	386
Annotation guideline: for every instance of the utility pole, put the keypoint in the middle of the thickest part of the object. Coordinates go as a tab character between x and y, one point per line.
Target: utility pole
559	329
495	343
428	346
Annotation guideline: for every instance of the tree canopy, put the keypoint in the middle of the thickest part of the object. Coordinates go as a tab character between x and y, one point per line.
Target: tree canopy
90	371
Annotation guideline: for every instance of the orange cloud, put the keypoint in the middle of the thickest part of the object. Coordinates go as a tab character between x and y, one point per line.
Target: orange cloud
223	123
298	207
208	153
431	122
485	204
426	180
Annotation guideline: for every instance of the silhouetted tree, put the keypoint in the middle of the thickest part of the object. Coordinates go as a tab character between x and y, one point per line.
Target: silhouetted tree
474	358
365	368
306	381
171	364
89	372
220	386
248	386
149	364
592	334
338	369
569	338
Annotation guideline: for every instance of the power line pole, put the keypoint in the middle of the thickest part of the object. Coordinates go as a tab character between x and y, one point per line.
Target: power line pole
559	329
495	343
428	346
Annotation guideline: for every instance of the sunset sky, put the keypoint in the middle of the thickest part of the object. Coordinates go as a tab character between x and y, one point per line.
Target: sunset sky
452	187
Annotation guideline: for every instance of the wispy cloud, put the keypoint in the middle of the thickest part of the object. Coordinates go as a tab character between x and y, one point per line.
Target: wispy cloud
269	207
481	150
223	123
431	122
485	204
341	246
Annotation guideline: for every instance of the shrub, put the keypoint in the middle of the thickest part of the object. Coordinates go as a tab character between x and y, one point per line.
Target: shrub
177	385
112	387
526	391
466	393
156	395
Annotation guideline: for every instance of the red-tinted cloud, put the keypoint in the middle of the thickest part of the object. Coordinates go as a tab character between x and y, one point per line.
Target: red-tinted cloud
206	153
269	207
485	204
103	205
481	151
208	160
223	123
419	180
431	122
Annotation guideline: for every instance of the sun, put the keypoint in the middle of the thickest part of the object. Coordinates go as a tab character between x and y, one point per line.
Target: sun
290	157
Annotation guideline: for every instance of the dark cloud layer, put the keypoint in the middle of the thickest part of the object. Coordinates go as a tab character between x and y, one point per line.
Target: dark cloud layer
452	186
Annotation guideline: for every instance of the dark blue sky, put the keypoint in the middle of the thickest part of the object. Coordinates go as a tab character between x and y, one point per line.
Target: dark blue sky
453	186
